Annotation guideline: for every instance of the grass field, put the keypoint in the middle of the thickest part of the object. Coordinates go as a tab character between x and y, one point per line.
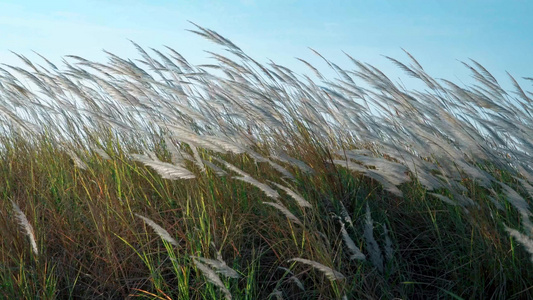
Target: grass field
157	179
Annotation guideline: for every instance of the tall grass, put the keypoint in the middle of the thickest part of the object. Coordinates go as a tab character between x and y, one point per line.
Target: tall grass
160	179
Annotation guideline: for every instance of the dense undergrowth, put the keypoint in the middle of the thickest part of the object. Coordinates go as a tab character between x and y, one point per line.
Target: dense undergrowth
252	182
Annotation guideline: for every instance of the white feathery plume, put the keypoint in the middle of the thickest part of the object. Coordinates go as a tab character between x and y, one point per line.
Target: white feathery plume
219	266
281	169
350	165
159	230
496	202
373	248
285	211
379	163
389	251
188	136
232	167
26	226
515	199
444	199
298	198
524	172
199	141
270	192
198	159
293	161
523	239
102	153
77	161
166	170
387	180
526	185
356	252
215	168
226	144
213	278
346	215
177	156
527	224
329	272
151	154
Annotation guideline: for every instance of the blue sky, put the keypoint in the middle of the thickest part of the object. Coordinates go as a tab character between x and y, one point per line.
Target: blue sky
498	34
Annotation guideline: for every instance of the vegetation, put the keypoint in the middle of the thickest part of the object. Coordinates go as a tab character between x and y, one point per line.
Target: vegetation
158	179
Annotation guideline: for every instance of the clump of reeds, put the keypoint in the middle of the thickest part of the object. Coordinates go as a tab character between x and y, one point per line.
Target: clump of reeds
233	139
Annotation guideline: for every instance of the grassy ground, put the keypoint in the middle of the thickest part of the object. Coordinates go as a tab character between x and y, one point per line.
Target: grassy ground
176	183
